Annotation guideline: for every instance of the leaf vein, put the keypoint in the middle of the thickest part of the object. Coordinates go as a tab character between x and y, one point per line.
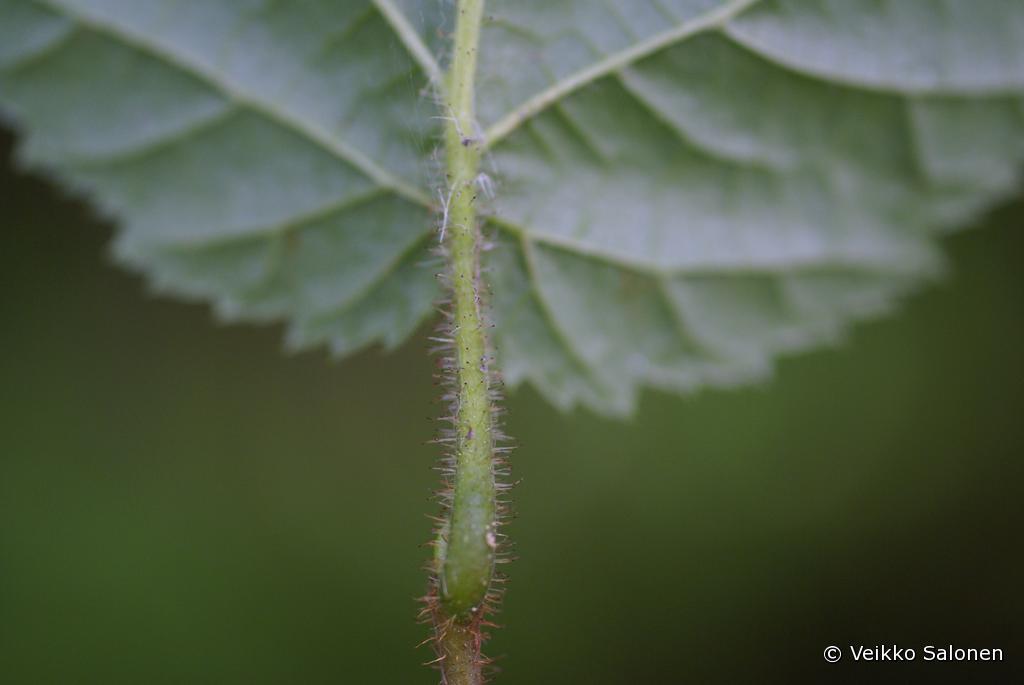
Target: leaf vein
709	20
42	53
680	326
411	39
689	141
548	314
294	223
312	132
378	279
154	145
809	72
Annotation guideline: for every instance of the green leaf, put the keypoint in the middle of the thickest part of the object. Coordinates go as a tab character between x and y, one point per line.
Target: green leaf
685	188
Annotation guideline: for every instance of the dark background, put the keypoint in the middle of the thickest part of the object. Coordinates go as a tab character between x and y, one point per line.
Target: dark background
184	503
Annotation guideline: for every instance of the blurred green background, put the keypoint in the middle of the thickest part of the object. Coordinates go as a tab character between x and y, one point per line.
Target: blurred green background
184	503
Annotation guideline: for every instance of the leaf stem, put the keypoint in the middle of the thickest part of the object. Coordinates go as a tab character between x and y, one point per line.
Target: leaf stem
459	647
466	546
469	559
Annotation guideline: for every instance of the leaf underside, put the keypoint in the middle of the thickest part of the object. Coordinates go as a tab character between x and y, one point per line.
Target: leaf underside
685	188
